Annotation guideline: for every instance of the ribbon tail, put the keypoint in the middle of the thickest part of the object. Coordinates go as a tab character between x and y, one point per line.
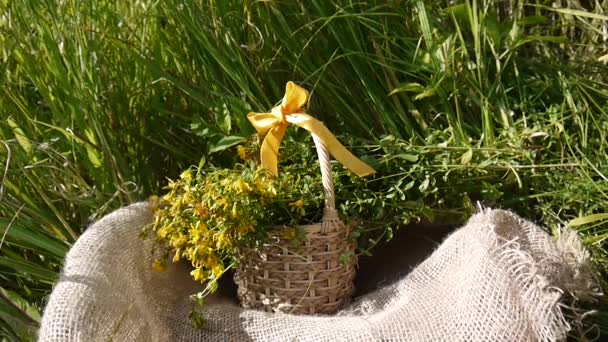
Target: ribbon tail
269	152
333	145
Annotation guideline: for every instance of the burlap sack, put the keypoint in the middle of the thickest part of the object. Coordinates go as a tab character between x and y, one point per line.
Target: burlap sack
499	278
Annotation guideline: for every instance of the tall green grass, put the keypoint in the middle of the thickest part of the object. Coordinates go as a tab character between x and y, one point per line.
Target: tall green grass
100	101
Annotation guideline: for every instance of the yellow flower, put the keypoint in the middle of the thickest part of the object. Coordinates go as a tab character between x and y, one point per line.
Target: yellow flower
297	204
164	232
222	240
260	186
198	274
195	235
240	150
186	176
177	206
199	225
186	198
241	186
244	229
179	241
212	260
172	185
234	211
217	271
221	202
178	255
290	234
159	265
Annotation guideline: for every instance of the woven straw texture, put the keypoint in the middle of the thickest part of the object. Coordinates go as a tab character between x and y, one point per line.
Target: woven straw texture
499	278
307	279
315	278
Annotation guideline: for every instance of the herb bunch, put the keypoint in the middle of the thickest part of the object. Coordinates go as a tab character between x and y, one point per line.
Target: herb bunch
209	215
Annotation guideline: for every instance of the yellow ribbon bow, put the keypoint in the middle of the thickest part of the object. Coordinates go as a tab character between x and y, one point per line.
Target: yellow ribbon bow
274	125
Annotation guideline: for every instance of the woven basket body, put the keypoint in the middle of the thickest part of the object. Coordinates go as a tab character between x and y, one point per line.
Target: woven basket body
314	277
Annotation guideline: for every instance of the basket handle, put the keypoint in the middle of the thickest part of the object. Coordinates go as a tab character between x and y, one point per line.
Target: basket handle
330	221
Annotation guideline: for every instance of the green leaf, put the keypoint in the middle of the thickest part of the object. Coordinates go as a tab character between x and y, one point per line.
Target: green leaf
36	241
535	38
424	185
427	93
92	152
21	266
22	304
409	157
23	141
588	219
458	11
574	12
409	185
93	156
466	157
225	143
532	20
19	319
411	87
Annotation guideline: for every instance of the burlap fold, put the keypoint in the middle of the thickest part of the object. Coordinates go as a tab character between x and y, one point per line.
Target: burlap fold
499	278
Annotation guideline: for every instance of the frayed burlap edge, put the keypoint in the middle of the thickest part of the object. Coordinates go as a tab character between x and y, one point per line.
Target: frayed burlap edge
556	280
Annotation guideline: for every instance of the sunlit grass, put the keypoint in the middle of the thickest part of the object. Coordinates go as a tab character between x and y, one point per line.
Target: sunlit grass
100	101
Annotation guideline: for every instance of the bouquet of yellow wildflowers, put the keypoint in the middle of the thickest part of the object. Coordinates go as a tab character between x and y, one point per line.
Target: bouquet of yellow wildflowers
209	214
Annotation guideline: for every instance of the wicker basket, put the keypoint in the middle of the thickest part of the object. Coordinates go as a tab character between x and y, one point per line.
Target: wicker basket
315	277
